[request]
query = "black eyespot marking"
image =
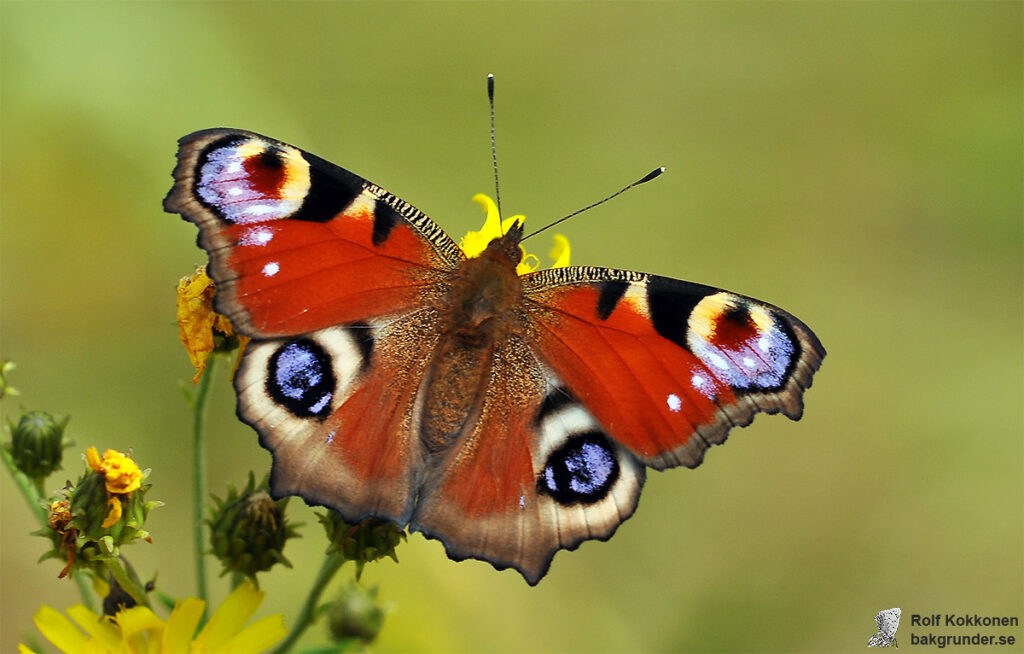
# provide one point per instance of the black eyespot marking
(581, 471)
(611, 292)
(671, 302)
(331, 189)
(271, 158)
(739, 314)
(300, 378)
(364, 339)
(384, 220)
(554, 401)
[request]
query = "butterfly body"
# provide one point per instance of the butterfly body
(506, 415)
(480, 314)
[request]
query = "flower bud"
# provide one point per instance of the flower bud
(367, 541)
(110, 500)
(37, 443)
(248, 530)
(355, 614)
(89, 512)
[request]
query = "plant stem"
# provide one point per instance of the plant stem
(199, 474)
(126, 580)
(27, 487)
(329, 568)
(33, 494)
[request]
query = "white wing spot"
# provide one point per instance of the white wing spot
(330, 438)
(260, 209)
(718, 361)
(271, 269)
(748, 362)
(674, 403)
(256, 236)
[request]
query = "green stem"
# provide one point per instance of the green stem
(329, 568)
(127, 580)
(199, 474)
(33, 494)
(27, 487)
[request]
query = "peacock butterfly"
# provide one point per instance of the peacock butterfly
(506, 415)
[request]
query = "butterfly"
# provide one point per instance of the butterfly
(506, 415)
(888, 622)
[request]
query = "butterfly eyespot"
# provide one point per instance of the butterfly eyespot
(301, 378)
(581, 471)
(244, 180)
(741, 343)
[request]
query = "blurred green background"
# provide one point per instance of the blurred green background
(857, 164)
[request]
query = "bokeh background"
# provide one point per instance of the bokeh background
(859, 164)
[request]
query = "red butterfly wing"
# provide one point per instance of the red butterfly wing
(337, 409)
(535, 473)
(296, 243)
(668, 367)
(333, 278)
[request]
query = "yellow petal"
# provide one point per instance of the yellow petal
(243, 342)
(136, 619)
(529, 263)
(115, 512)
(101, 629)
(181, 625)
(100, 587)
(560, 253)
(93, 459)
(229, 618)
(123, 474)
(259, 636)
(59, 630)
(24, 649)
(473, 243)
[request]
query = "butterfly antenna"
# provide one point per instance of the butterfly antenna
(494, 144)
(646, 178)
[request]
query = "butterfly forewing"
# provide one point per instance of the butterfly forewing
(298, 244)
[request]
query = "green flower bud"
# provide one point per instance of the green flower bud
(355, 615)
(367, 541)
(97, 512)
(248, 530)
(87, 512)
(37, 443)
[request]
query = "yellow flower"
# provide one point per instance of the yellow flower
(197, 321)
(122, 474)
(494, 227)
(138, 629)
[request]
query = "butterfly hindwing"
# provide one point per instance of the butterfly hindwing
(336, 408)
(298, 244)
(668, 367)
(536, 473)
